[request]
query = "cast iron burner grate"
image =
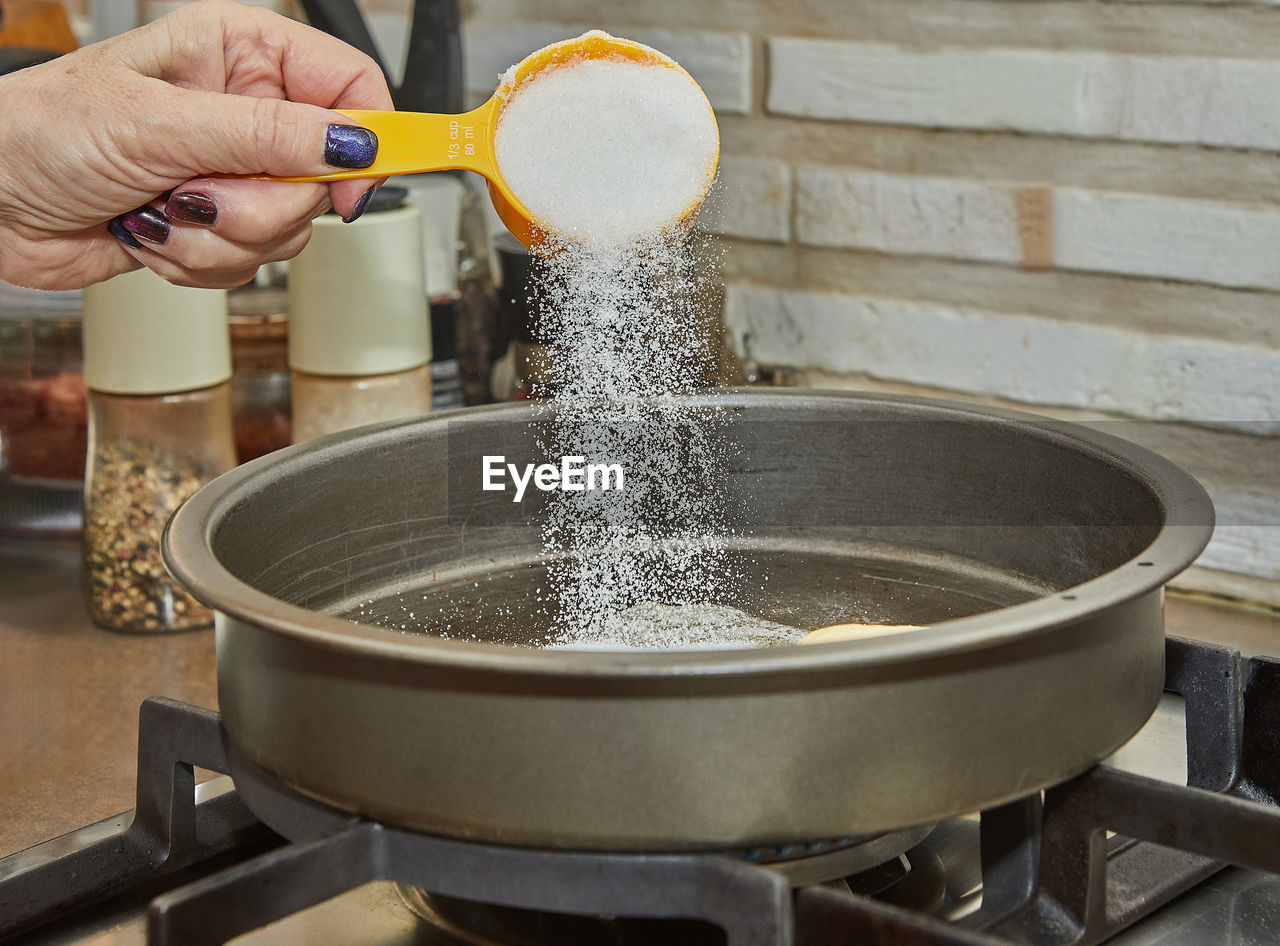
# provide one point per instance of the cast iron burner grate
(1049, 875)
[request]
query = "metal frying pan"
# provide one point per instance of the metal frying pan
(1036, 550)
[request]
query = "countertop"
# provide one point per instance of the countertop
(69, 692)
(69, 696)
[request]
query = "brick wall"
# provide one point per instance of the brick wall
(1069, 205)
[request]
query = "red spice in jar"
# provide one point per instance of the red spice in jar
(44, 426)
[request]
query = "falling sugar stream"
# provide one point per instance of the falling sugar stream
(612, 158)
(609, 156)
(626, 360)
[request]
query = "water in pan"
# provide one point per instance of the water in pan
(785, 592)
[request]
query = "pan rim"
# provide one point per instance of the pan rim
(189, 555)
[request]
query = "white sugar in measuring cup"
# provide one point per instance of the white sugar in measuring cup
(417, 142)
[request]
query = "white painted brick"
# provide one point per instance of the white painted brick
(488, 49)
(958, 88)
(1244, 550)
(1223, 102)
(751, 200)
(719, 61)
(906, 214)
(1214, 242)
(1247, 537)
(1200, 240)
(1197, 100)
(1027, 359)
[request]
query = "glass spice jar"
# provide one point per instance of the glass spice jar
(157, 363)
(324, 404)
(42, 412)
(261, 409)
(150, 452)
(359, 333)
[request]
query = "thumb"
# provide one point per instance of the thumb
(241, 134)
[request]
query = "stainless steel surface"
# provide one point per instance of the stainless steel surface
(1235, 908)
(374, 915)
(700, 750)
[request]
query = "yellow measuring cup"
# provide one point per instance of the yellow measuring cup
(415, 142)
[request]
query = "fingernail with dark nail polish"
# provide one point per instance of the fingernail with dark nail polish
(147, 223)
(350, 146)
(192, 207)
(117, 230)
(361, 204)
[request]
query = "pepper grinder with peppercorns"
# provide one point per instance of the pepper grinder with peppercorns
(157, 362)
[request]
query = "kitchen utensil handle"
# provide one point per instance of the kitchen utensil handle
(414, 142)
(341, 18)
(433, 64)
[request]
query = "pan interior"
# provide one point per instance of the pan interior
(841, 510)
(801, 585)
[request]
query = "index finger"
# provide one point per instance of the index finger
(218, 46)
(302, 63)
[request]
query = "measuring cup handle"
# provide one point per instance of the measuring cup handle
(415, 142)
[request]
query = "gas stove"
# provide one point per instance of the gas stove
(1125, 853)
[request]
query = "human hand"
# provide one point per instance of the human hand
(112, 152)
